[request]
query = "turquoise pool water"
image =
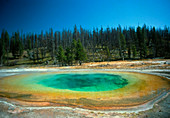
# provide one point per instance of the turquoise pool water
(83, 82)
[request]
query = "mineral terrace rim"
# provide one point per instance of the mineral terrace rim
(97, 106)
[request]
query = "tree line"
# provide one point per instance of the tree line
(77, 46)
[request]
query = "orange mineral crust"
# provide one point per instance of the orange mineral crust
(141, 88)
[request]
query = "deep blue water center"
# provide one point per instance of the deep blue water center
(84, 82)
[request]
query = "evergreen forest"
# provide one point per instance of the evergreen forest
(68, 47)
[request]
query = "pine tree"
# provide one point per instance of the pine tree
(20, 47)
(75, 33)
(134, 42)
(7, 45)
(122, 46)
(61, 55)
(94, 43)
(73, 51)
(143, 42)
(2, 47)
(101, 37)
(154, 42)
(29, 47)
(128, 38)
(159, 44)
(82, 35)
(139, 36)
(16, 46)
(43, 46)
(68, 56)
(80, 53)
(37, 47)
(55, 41)
(108, 53)
(134, 51)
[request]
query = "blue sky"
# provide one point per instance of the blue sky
(37, 15)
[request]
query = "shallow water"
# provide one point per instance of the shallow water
(83, 82)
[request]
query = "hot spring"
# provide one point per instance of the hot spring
(83, 82)
(92, 90)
